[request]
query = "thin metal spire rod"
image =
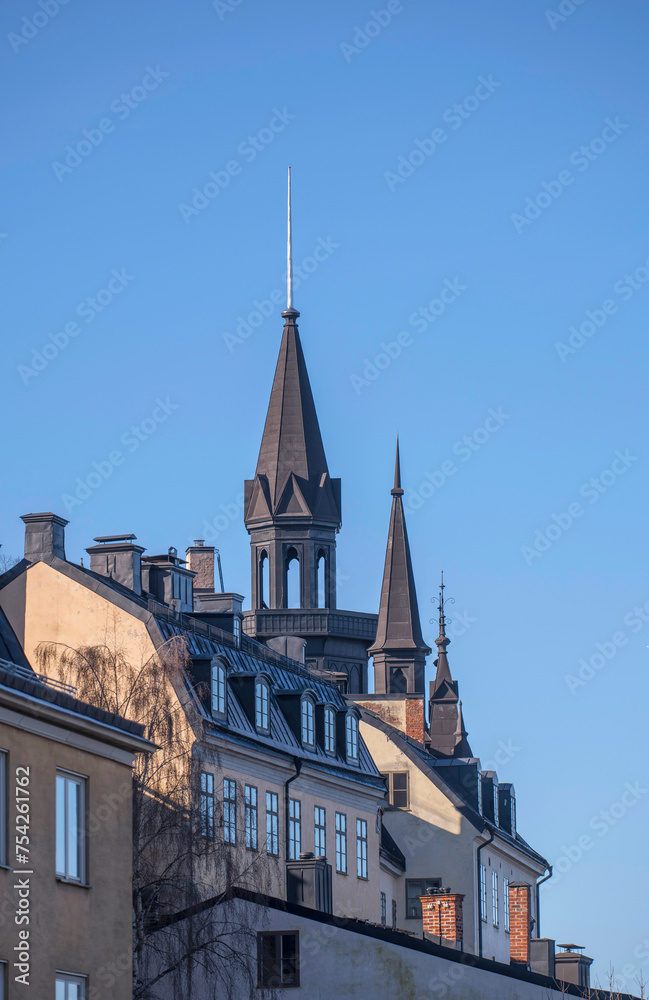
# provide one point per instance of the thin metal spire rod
(289, 251)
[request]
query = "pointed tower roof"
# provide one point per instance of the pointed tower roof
(399, 627)
(446, 727)
(462, 748)
(292, 477)
(442, 642)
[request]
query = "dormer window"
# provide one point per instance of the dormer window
(262, 706)
(351, 737)
(308, 723)
(329, 731)
(218, 689)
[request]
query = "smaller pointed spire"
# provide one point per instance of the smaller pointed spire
(396, 491)
(462, 748)
(442, 642)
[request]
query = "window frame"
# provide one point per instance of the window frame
(390, 776)
(307, 722)
(329, 730)
(506, 904)
(320, 831)
(423, 884)
(362, 866)
(495, 916)
(207, 805)
(294, 829)
(81, 782)
(272, 823)
(266, 977)
(229, 811)
(262, 706)
(219, 689)
(384, 909)
(71, 979)
(394, 914)
(341, 843)
(483, 893)
(251, 817)
(351, 737)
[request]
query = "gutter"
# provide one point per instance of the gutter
(484, 844)
(538, 899)
(297, 761)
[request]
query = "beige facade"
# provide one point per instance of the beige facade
(76, 921)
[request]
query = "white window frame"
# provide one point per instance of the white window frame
(294, 829)
(341, 843)
(64, 870)
(320, 831)
(207, 804)
(251, 824)
(494, 899)
(307, 719)
(272, 823)
(229, 811)
(219, 703)
(483, 893)
(506, 903)
(351, 737)
(330, 731)
(67, 979)
(262, 705)
(361, 849)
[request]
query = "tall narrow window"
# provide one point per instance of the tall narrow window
(292, 580)
(262, 706)
(70, 987)
(218, 689)
(397, 782)
(361, 848)
(251, 817)
(70, 826)
(308, 723)
(320, 826)
(494, 898)
(341, 843)
(263, 581)
(207, 804)
(278, 959)
(3, 809)
(351, 737)
(321, 577)
(329, 731)
(294, 829)
(506, 902)
(483, 892)
(229, 811)
(394, 914)
(384, 909)
(272, 823)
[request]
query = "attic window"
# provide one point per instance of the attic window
(308, 723)
(351, 737)
(218, 689)
(329, 731)
(262, 706)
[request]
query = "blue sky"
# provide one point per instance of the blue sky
(116, 297)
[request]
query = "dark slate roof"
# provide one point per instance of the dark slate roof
(399, 627)
(25, 681)
(10, 648)
(285, 676)
(292, 477)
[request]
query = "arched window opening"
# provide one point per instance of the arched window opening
(292, 589)
(263, 580)
(399, 682)
(321, 591)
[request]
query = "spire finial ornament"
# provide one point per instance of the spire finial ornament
(442, 641)
(289, 251)
(396, 491)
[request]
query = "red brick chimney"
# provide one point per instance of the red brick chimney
(415, 720)
(442, 914)
(519, 923)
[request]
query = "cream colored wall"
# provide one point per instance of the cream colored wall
(495, 940)
(86, 931)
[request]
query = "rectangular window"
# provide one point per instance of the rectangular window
(394, 914)
(3, 808)
(361, 848)
(251, 817)
(398, 795)
(70, 826)
(384, 909)
(261, 705)
(278, 960)
(351, 737)
(483, 892)
(320, 832)
(294, 829)
(329, 731)
(308, 723)
(416, 887)
(341, 843)
(218, 689)
(272, 823)
(494, 898)
(70, 987)
(207, 804)
(229, 811)
(506, 902)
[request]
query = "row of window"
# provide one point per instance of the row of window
(307, 715)
(495, 898)
(251, 824)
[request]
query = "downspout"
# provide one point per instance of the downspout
(484, 844)
(538, 900)
(298, 767)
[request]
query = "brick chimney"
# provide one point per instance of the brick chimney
(44, 536)
(519, 923)
(442, 915)
(415, 720)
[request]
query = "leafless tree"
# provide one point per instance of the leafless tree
(175, 867)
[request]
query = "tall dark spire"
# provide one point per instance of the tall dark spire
(399, 650)
(446, 727)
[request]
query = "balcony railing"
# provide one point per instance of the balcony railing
(323, 621)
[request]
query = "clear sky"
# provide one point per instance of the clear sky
(493, 152)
